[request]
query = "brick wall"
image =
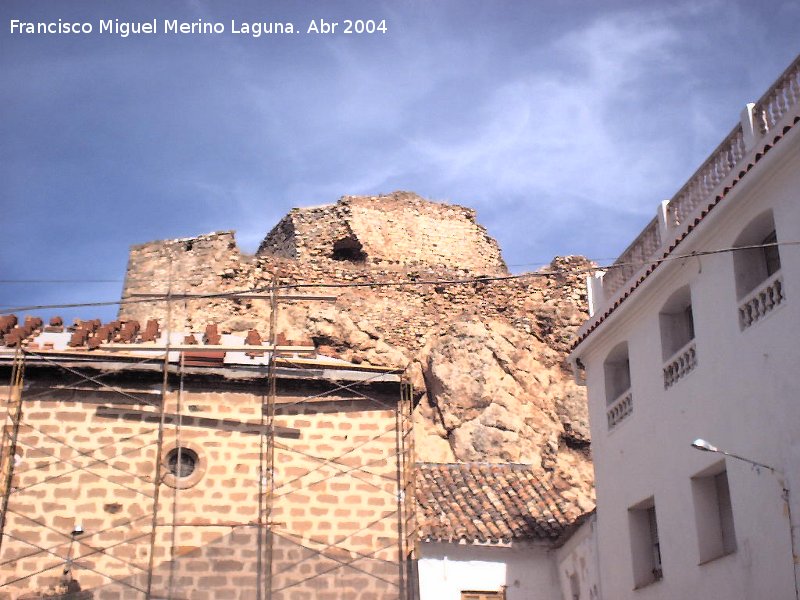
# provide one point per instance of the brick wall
(87, 458)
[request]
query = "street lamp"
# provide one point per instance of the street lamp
(701, 444)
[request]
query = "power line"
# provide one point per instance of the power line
(232, 295)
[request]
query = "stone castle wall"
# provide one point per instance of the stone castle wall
(384, 325)
(399, 229)
(385, 313)
(334, 531)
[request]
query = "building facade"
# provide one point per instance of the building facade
(495, 532)
(197, 466)
(693, 335)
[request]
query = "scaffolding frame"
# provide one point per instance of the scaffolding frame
(268, 491)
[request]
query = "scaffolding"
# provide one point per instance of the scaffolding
(147, 543)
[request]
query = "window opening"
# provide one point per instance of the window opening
(655, 545)
(716, 535)
(617, 372)
(772, 257)
(348, 249)
(181, 462)
(645, 544)
(752, 266)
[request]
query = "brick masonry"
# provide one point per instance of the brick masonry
(83, 460)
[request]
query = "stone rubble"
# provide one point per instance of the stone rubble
(486, 357)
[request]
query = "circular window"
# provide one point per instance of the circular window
(182, 462)
(183, 467)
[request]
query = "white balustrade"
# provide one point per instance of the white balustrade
(633, 259)
(680, 364)
(619, 409)
(762, 301)
(779, 100)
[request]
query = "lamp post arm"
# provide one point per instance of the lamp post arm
(751, 462)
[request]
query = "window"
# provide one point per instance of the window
(752, 266)
(772, 256)
(183, 466)
(713, 513)
(617, 371)
(645, 544)
(757, 269)
(676, 321)
(181, 462)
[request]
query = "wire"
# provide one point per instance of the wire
(398, 283)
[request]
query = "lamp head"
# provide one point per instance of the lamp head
(703, 445)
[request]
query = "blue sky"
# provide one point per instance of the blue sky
(562, 123)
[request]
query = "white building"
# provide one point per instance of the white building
(500, 532)
(688, 339)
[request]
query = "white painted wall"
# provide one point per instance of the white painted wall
(445, 570)
(578, 564)
(743, 396)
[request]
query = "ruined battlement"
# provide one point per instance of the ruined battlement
(359, 238)
(399, 229)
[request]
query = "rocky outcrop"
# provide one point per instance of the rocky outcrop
(498, 395)
(486, 354)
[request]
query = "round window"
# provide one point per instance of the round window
(182, 462)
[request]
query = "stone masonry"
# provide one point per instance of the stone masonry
(85, 460)
(396, 230)
(518, 403)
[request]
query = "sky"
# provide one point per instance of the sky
(563, 124)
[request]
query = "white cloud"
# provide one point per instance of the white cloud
(559, 134)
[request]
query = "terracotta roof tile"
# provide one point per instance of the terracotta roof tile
(490, 503)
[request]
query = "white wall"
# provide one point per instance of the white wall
(578, 564)
(743, 396)
(445, 570)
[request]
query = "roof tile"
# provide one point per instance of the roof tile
(490, 503)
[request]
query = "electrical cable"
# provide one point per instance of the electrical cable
(413, 283)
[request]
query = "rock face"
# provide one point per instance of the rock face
(499, 395)
(486, 354)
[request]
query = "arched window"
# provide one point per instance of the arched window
(754, 265)
(676, 321)
(617, 371)
(757, 269)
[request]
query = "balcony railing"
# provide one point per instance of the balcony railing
(680, 364)
(762, 301)
(705, 180)
(779, 98)
(619, 409)
(630, 261)
(764, 116)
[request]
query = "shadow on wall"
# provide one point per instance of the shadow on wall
(227, 567)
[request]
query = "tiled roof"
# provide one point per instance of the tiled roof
(595, 321)
(203, 347)
(490, 503)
